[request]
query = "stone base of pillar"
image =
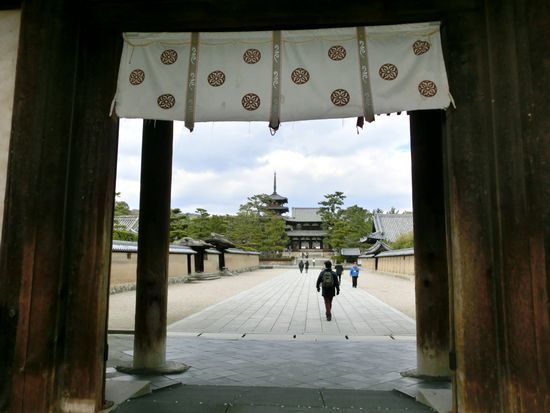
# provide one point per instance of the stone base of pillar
(170, 367)
(418, 375)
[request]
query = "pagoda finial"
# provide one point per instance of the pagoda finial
(275, 182)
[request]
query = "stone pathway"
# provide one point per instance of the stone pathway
(290, 305)
(275, 335)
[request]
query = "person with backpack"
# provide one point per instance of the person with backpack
(328, 280)
(354, 273)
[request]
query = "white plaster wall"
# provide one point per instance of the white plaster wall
(9, 40)
(236, 262)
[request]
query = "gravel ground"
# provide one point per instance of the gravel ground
(189, 298)
(397, 291)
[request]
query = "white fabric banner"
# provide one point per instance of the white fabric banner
(282, 76)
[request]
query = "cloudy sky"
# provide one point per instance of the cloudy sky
(220, 164)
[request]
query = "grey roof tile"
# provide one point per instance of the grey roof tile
(305, 215)
(350, 252)
(390, 226)
(393, 253)
(128, 222)
(377, 247)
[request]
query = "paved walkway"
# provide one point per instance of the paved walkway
(276, 335)
(290, 305)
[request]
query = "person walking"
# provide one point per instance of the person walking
(329, 282)
(339, 268)
(354, 273)
(306, 265)
(301, 266)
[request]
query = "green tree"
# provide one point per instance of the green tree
(199, 226)
(331, 209)
(242, 230)
(218, 224)
(121, 207)
(179, 224)
(359, 223)
(403, 241)
(274, 237)
(122, 235)
(256, 228)
(256, 204)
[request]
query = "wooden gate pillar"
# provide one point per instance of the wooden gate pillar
(497, 149)
(54, 261)
(153, 244)
(430, 253)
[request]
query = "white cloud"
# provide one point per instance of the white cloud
(219, 165)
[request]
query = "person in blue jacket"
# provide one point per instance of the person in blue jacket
(354, 273)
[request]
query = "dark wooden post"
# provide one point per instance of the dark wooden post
(430, 253)
(58, 213)
(90, 201)
(153, 242)
(497, 151)
(221, 261)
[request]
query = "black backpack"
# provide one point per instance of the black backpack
(328, 280)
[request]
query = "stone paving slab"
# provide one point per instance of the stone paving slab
(289, 304)
(198, 399)
(367, 363)
(275, 336)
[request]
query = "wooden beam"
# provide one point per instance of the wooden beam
(10, 4)
(430, 249)
(213, 15)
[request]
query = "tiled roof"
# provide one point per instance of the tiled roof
(276, 197)
(219, 240)
(350, 252)
(128, 222)
(390, 226)
(377, 247)
(190, 242)
(305, 215)
(130, 246)
(396, 253)
(240, 251)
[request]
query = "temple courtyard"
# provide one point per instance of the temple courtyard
(260, 339)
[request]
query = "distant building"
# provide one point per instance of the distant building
(277, 202)
(389, 227)
(304, 230)
(350, 254)
(128, 223)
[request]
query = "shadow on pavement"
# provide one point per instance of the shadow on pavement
(229, 399)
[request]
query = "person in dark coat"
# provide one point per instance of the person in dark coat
(301, 266)
(306, 265)
(339, 268)
(328, 281)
